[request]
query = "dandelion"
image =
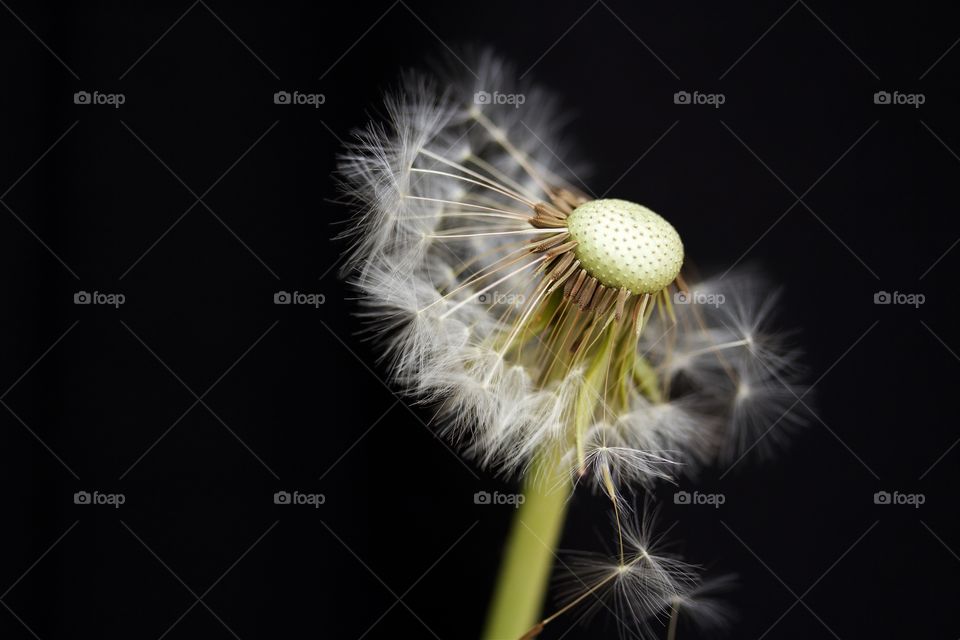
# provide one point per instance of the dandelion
(554, 330)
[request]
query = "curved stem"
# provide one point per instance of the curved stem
(529, 555)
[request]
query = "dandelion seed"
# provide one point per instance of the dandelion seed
(639, 583)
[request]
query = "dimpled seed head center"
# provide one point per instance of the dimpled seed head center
(623, 244)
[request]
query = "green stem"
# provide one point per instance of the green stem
(529, 555)
(674, 617)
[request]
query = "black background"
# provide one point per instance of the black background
(95, 200)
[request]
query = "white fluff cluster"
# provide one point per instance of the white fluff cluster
(436, 187)
(644, 585)
(739, 376)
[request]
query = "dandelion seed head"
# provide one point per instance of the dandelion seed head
(535, 317)
(624, 244)
(539, 320)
